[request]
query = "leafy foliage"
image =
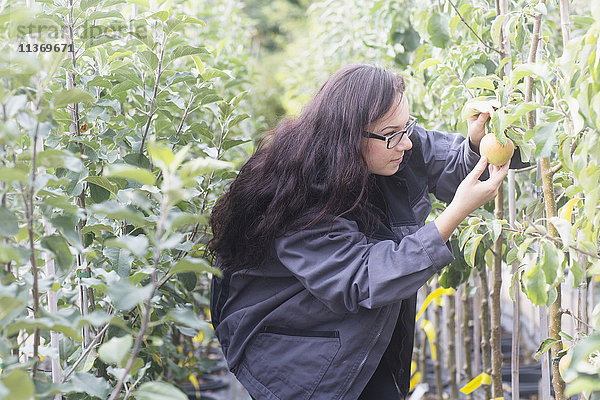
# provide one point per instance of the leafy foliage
(112, 156)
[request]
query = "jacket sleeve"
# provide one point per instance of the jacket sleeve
(336, 264)
(448, 158)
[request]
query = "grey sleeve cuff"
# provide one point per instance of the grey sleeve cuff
(471, 157)
(439, 252)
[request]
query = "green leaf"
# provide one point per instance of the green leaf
(535, 284)
(159, 391)
(522, 70)
(162, 15)
(551, 262)
(471, 248)
(496, 29)
(201, 166)
(524, 108)
(229, 143)
(19, 385)
(545, 138)
(184, 219)
(59, 247)
(119, 212)
(126, 295)
(438, 29)
(138, 245)
(104, 14)
(115, 350)
(480, 82)
(161, 153)
(73, 95)
(121, 260)
(185, 50)
(545, 346)
(54, 158)
(9, 304)
(84, 382)
(199, 64)
(140, 175)
(13, 174)
(149, 58)
(137, 159)
(187, 317)
(9, 225)
(9, 253)
(193, 265)
(103, 182)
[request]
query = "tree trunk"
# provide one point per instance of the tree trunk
(485, 329)
(468, 341)
(550, 207)
(423, 342)
(437, 363)
(496, 329)
(451, 359)
(475, 370)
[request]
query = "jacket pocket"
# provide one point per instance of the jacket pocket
(289, 362)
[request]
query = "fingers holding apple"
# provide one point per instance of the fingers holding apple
(476, 113)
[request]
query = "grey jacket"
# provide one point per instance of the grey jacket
(316, 319)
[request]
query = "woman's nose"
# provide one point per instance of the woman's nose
(405, 144)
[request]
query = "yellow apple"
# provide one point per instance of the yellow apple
(564, 363)
(494, 151)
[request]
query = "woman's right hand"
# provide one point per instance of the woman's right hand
(470, 195)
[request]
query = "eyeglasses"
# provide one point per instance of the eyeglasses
(394, 138)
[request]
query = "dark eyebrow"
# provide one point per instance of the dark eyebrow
(397, 126)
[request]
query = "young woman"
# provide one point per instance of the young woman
(323, 243)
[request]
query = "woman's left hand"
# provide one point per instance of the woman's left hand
(476, 123)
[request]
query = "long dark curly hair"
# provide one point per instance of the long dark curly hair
(307, 169)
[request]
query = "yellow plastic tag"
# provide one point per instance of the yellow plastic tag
(432, 296)
(481, 379)
(427, 326)
(499, 398)
(413, 367)
(198, 339)
(414, 380)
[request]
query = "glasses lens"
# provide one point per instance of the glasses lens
(393, 142)
(411, 127)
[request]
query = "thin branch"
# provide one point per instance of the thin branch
(558, 241)
(475, 33)
(568, 312)
(148, 301)
(155, 94)
(85, 352)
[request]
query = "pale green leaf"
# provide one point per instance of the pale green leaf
(18, 383)
(9, 225)
(115, 350)
(84, 382)
(480, 82)
(497, 28)
(137, 174)
(60, 248)
(193, 265)
(438, 29)
(138, 245)
(535, 284)
(125, 295)
(159, 391)
(73, 95)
